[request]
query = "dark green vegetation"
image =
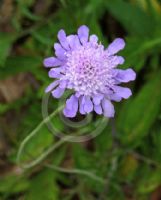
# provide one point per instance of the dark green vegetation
(127, 167)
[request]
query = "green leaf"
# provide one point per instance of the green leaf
(43, 187)
(104, 141)
(132, 17)
(37, 145)
(13, 184)
(139, 114)
(150, 181)
(138, 50)
(128, 168)
(19, 64)
(5, 45)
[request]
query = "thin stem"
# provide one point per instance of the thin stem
(76, 171)
(51, 149)
(33, 133)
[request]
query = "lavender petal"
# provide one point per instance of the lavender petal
(83, 33)
(117, 45)
(122, 92)
(58, 92)
(63, 39)
(52, 86)
(125, 75)
(52, 62)
(71, 107)
(98, 109)
(108, 108)
(88, 105)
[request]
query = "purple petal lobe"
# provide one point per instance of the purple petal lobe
(73, 41)
(52, 86)
(88, 105)
(58, 92)
(63, 84)
(97, 99)
(98, 109)
(71, 107)
(83, 33)
(59, 51)
(115, 97)
(93, 39)
(63, 39)
(52, 62)
(55, 72)
(108, 108)
(81, 106)
(125, 75)
(70, 40)
(117, 45)
(77, 94)
(115, 60)
(122, 92)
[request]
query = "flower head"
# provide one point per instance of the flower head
(86, 67)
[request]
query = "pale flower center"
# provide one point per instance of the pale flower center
(87, 69)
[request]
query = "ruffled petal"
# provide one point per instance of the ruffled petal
(98, 109)
(88, 105)
(117, 45)
(83, 33)
(52, 62)
(63, 39)
(52, 86)
(71, 107)
(125, 75)
(122, 91)
(58, 92)
(108, 108)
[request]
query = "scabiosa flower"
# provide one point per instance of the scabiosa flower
(86, 67)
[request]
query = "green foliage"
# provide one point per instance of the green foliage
(5, 44)
(133, 122)
(13, 184)
(135, 20)
(150, 180)
(43, 186)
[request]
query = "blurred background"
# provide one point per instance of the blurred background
(124, 167)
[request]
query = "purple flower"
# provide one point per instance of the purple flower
(83, 65)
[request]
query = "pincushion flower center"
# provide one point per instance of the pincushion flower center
(85, 69)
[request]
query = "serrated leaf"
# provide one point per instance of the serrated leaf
(139, 114)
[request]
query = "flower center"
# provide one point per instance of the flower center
(87, 69)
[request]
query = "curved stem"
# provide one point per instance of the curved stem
(51, 149)
(23, 143)
(76, 171)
